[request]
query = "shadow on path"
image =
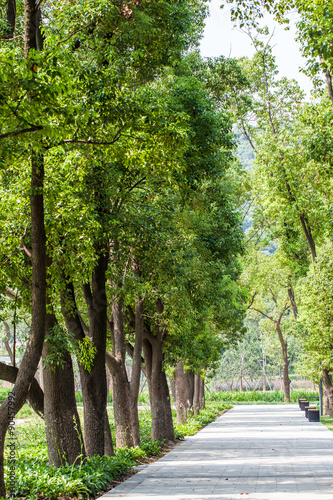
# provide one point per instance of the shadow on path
(256, 452)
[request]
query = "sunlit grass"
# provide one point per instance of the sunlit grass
(36, 479)
(328, 421)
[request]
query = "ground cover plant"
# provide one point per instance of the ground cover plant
(35, 478)
(196, 422)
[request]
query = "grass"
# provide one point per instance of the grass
(259, 397)
(328, 421)
(35, 479)
(143, 398)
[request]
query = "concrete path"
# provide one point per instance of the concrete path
(254, 452)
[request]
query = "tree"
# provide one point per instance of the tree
(269, 279)
(316, 293)
(314, 30)
(31, 357)
(60, 103)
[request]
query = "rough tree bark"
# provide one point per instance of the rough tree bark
(162, 425)
(202, 393)
(62, 424)
(328, 77)
(189, 388)
(173, 387)
(93, 383)
(94, 401)
(328, 392)
(120, 384)
(11, 18)
(181, 400)
(125, 392)
(284, 350)
(196, 397)
(136, 370)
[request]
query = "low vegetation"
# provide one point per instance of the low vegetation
(259, 397)
(36, 479)
(328, 421)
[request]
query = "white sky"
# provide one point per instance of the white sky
(221, 38)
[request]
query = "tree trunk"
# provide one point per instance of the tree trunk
(94, 388)
(168, 422)
(93, 383)
(34, 348)
(63, 429)
(189, 388)
(202, 393)
(136, 370)
(328, 392)
(308, 234)
(173, 388)
(120, 384)
(11, 18)
(285, 364)
(241, 380)
(108, 443)
(162, 425)
(196, 397)
(181, 401)
(263, 365)
(329, 84)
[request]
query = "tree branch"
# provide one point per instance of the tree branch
(72, 33)
(253, 297)
(266, 315)
(27, 250)
(35, 394)
(22, 131)
(111, 362)
(273, 297)
(11, 294)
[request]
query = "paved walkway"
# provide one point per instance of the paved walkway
(253, 452)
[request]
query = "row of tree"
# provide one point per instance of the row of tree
(120, 231)
(287, 269)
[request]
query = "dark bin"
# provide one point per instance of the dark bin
(307, 408)
(313, 415)
(304, 404)
(300, 400)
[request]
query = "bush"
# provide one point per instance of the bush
(196, 422)
(36, 478)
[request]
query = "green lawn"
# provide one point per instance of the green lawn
(328, 421)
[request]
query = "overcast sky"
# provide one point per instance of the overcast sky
(220, 38)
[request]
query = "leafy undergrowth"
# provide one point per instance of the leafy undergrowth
(259, 397)
(197, 422)
(35, 479)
